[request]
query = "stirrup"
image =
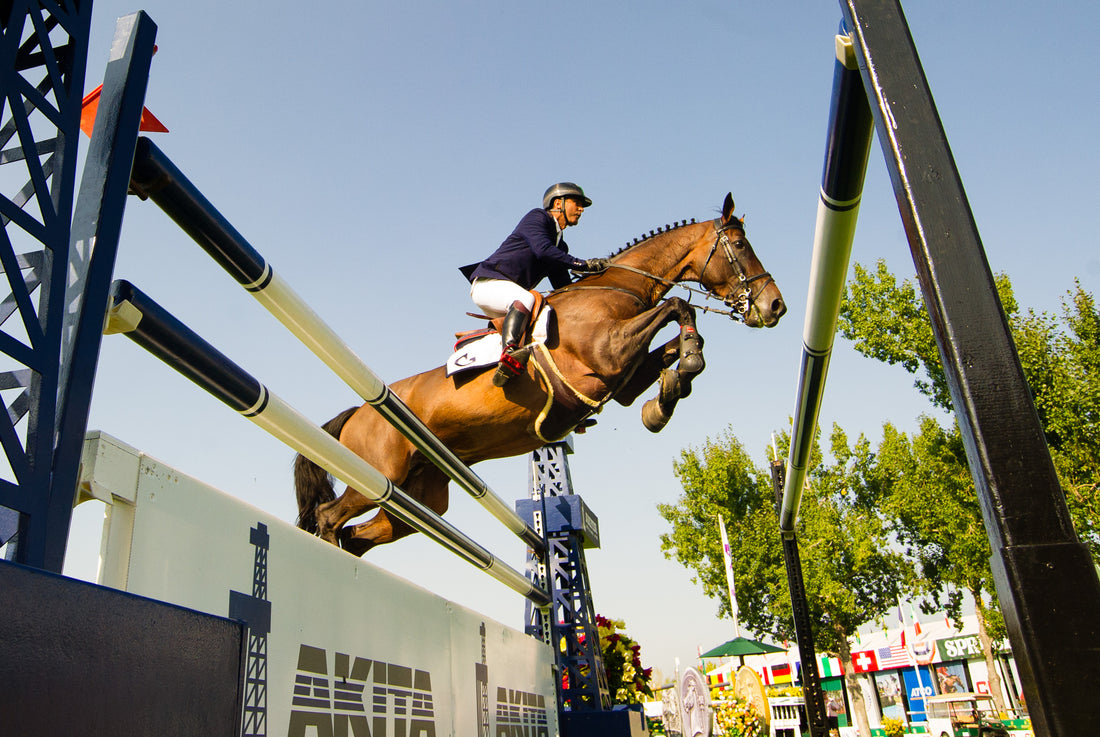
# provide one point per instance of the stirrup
(512, 363)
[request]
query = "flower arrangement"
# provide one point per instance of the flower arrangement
(627, 680)
(893, 727)
(737, 718)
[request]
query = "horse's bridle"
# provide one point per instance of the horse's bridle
(739, 302)
(741, 299)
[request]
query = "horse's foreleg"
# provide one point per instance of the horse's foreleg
(658, 411)
(686, 348)
(648, 371)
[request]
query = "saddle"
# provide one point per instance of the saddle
(496, 323)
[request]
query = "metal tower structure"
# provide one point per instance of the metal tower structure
(568, 527)
(255, 610)
(44, 48)
(64, 254)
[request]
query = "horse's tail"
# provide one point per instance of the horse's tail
(312, 484)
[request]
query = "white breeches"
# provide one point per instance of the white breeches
(495, 296)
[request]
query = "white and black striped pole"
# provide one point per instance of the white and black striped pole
(848, 146)
(152, 327)
(157, 178)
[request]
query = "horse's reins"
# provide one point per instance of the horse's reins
(740, 302)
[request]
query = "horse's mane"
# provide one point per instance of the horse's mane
(653, 233)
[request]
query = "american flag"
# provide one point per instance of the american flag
(894, 656)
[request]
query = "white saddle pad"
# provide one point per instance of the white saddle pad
(486, 350)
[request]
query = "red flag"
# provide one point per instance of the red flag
(865, 661)
(90, 105)
(916, 622)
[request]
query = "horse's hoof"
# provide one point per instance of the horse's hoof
(670, 386)
(653, 417)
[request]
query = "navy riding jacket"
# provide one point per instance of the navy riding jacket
(530, 254)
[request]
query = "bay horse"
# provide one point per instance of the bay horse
(598, 350)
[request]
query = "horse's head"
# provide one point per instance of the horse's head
(730, 269)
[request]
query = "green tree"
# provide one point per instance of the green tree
(931, 502)
(852, 576)
(1060, 358)
(933, 512)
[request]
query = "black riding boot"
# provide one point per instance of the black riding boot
(513, 361)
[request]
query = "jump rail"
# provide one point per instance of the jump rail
(155, 177)
(155, 329)
(848, 148)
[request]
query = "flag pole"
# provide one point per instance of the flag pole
(728, 560)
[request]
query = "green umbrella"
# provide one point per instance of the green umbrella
(740, 647)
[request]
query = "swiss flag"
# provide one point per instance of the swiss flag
(865, 661)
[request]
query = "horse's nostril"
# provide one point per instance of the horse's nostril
(779, 308)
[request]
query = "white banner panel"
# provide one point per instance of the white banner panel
(337, 645)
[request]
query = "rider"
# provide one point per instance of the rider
(535, 250)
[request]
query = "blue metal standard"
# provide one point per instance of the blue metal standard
(569, 527)
(43, 57)
(254, 609)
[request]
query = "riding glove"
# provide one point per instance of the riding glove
(592, 265)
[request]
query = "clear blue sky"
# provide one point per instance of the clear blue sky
(369, 149)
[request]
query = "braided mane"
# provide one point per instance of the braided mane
(659, 231)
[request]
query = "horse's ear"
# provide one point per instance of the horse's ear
(727, 207)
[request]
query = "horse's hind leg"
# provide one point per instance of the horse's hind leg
(428, 485)
(332, 516)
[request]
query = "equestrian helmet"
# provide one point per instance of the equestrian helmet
(564, 189)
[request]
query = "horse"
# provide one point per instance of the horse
(598, 349)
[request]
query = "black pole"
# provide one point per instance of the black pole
(812, 693)
(1046, 579)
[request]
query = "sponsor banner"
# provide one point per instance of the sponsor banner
(918, 684)
(959, 648)
(336, 645)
